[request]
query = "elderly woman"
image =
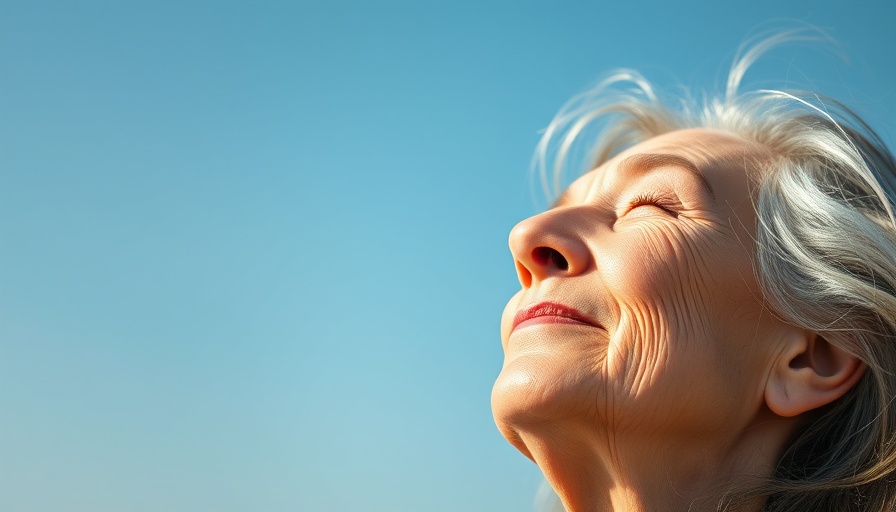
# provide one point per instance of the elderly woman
(707, 318)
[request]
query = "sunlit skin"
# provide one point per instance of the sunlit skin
(674, 381)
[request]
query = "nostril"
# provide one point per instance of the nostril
(545, 255)
(559, 260)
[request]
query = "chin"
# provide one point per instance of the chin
(537, 389)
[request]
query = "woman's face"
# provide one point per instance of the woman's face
(639, 310)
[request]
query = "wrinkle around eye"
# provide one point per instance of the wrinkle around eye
(652, 216)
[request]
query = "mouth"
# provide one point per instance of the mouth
(550, 313)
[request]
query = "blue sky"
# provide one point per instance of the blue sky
(253, 254)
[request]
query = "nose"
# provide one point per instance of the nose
(548, 245)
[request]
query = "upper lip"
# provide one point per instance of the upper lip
(550, 309)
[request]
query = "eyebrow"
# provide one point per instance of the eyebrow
(646, 162)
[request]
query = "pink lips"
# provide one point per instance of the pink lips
(550, 313)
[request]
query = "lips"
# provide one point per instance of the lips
(550, 313)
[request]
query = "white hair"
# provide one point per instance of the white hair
(826, 243)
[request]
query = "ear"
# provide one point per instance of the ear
(810, 373)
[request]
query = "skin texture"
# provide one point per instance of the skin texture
(658, 397)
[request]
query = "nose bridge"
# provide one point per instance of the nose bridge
(550, 244)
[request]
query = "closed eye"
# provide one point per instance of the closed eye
(649, 199)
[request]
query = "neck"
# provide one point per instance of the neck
(650, 474)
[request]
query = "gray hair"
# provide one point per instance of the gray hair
(826, 243)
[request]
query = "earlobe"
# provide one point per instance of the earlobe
(810, 373)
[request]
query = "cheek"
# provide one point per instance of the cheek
(667, 333)
(663, 277)
(667, 277)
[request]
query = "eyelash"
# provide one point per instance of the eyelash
(651, 199)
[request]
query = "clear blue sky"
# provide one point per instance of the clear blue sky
(253, 254)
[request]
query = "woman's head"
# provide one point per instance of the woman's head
(719, 289)
(653, 250)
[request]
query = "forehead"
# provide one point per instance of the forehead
(726, 163)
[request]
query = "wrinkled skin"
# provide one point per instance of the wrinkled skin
(680, 346)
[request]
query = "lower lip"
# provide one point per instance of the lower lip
(541, 320)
